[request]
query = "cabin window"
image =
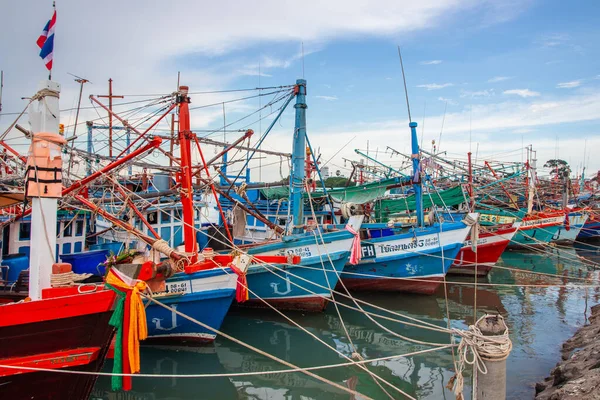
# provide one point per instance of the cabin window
(58, 228)
(78, 228)
(165, 216)
(281, 221)
(25, 231)
(152, 218)
(197, 215)
(178, 214)
(68, 231)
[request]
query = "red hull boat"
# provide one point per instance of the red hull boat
(66, 329)
(490, 246)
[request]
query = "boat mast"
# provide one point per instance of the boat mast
(298, 153)
(44, 118)
(187, 191)
(415, 156)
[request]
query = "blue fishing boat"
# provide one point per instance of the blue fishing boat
(324, 254)
(591, 228)
(407, 260)
(205, 296)
(412, 259)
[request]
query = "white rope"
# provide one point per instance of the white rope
(67, 278)
(482, 348)
(163, 246)
(230, 374)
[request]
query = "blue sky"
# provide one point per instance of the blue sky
(510, 73)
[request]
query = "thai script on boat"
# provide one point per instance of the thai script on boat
(415, 244)
(479, 241)
(543, 221)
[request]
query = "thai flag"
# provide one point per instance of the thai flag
(46, 42)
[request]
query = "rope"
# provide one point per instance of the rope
(67, 278)
(492, 348)
(163, 246)
(228, 374)
(257, 350)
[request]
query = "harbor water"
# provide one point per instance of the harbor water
(540, 319)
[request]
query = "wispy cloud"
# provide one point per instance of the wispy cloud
(435, 86)
(557, 40)
(522, 92)
(554, 40)
(499, 79)
(431, 62)
(569, 85)
(253, 72)
(327, 98)
(478, 93)
(449, 101)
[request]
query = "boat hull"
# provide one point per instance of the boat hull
(415, 263)
(490, 247)
(205, 296)
(68, 332)
(590, 230)
(569, 233)
(303, 287)
(536, 233)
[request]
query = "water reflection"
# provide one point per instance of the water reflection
(540, 319)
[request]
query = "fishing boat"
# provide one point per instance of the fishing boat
(478, 258)
(60, 325)
(591, 228)
(323, 254)
(571, 227)
(536, 229)
(413, 259)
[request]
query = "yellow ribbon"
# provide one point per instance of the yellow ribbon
(138, 330)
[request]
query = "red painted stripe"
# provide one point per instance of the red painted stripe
(54, 360)
(57, 308)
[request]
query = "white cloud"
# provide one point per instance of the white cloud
(435, 86)
(499, 79)
(449, 101)
(328, 98)
(569, 85)
(522, 92)
(491, 125)
(253, 72)
(432, 62)
(478, 93)
(554, 39)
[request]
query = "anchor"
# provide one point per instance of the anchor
(288, 287)
(174, 325)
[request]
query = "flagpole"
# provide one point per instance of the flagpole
(50, 71)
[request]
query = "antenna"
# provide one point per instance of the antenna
(79, 79)
(302, 43)
(439, 146)
(405, 89)
(81, 82)
(2, 86)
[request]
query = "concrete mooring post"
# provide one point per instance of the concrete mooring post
(494, 352)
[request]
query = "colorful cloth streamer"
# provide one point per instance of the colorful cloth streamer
(129, 318)
(355, 251)
(241, 291)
